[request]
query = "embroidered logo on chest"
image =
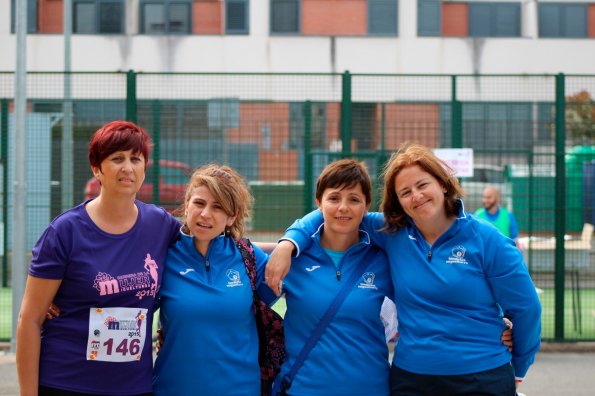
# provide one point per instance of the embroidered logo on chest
(457, 256)
(368, 282)
(234, 278)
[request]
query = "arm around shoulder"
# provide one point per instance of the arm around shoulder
(278, 265)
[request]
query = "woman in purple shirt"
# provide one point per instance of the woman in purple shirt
(101, 262)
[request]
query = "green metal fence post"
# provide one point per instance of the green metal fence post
(346, 115)
(4, 161)
(308, 188)
(131, 96)
(560, 206)
(530, 207)
(456, 122)
(156, 151)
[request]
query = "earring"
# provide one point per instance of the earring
(227, 231)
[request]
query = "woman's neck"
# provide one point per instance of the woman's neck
(202, 246)
(431, 231)
(338, 242)
(115, 216)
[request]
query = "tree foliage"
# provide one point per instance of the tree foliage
(580, 117)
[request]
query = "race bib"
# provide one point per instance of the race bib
(116, 334)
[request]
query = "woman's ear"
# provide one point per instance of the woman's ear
(318, 203)
(96, 172)
(231, 220)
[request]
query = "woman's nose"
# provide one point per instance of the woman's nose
(342, 204)
(205, 212)
(127, 165)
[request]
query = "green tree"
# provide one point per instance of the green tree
(580, 117)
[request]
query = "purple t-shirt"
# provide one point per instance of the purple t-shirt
(101, 272)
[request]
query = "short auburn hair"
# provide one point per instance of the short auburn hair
(411, 155)
(118, 136)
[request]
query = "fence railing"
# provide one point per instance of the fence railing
(533, 137)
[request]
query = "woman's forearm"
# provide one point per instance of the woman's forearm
(27, 355)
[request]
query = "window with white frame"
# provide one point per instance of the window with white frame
(237, 16)
(497, 19)
(98, 16)
(484, 18)
(563, 20)
(285, 16)
(429, 17)
(382, 17)
(166, 16)
(31, 16)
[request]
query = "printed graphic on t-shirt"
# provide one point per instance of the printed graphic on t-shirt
(116, 334)
(145, 282)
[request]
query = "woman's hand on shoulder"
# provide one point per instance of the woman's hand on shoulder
(278, 266)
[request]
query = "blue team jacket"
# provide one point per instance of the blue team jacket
(211, 343)
(450, 296)
(351, 357)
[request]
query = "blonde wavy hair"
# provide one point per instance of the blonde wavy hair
(228, 188)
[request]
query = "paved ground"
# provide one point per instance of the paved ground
(553, 374)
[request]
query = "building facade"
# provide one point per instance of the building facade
(363, 36)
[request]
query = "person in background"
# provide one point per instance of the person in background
(351, 356)
(101, 262)
(454, 279)
(498, 216)
(210, 340)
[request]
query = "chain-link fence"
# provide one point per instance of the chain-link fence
(533, 137)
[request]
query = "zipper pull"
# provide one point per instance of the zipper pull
(430, 255)
(338, 275)
(207, 265)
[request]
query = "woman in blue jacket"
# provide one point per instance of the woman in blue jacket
(210, 339)
(351, 356)
(454, 277)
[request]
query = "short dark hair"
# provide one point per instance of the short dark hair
(344, 173)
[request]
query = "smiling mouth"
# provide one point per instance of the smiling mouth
(204, 225)
(343, 218)
(421, 204)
